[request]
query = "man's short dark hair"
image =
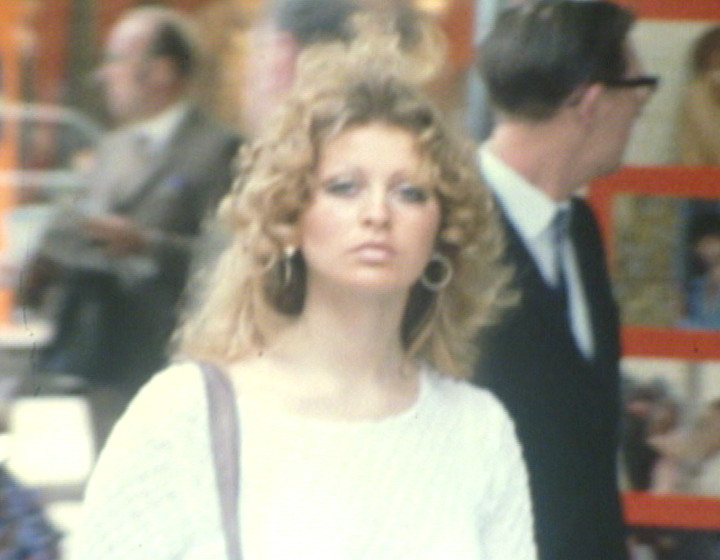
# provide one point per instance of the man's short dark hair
(314, 21)
(704, 225)
(319, 21)
(173, 41)
(537, 55)
(705, 48)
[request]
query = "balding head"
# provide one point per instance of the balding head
(150, 57)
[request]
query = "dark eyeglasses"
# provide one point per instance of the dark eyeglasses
(650, 82)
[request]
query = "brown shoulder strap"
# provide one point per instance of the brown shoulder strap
(224, 424)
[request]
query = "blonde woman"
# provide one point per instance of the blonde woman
(363, 260)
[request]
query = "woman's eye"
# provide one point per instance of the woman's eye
(412, 193)
(342, 187)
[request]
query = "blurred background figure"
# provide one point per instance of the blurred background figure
(289, 29)
(652, 446)
(654, 440)
(702, 309)
(702, 477)
(637, 455)
(253, 46)
(282, 31)
(120, 254)
(699, 132)
(705, 436)
(669, 441)
(223, 28)
(26, 533)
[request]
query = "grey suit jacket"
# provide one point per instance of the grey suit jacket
(169, 196)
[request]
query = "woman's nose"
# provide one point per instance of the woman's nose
(375, 209)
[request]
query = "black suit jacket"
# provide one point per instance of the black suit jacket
(566, 408)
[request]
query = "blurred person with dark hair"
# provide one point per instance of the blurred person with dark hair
(123, 248)
(566, 86)
(703, 285)
(253, 48)
(637, 455)
(280, 33)
(699, 130)
(288, 29)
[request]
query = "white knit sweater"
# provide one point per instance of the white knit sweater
(443, 480)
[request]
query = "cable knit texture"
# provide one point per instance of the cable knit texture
(443, 480)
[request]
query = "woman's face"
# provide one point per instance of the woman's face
(373, 219)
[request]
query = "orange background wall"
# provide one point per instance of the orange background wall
(9, 14)
(675, 9)
(54, 36)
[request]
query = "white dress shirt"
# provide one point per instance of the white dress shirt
(159, 129)
(531, 212)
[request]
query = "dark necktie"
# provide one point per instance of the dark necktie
(560, 227)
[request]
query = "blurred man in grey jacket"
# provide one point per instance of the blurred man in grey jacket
(123, 249)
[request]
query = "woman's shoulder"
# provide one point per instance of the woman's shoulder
(152, 472)
(477, 420)
(178, 383)
(172, 399)
(463, 397)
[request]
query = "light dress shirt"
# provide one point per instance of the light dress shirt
(158, 130)
(531, 212)
(152, 136)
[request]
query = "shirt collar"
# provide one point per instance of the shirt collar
(160, 128)
(527, 207)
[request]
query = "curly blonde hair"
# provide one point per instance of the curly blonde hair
(248, 300)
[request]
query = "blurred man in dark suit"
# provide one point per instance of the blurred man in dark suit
(567, 86)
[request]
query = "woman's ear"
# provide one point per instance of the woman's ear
(291, 237)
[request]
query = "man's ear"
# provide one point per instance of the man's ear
(286, 53)
(588, 101)
(160, 71)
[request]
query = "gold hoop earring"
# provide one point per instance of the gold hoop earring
(440, 276)
(287, 266)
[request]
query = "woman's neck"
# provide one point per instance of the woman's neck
(350, 336)
(342, 359)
